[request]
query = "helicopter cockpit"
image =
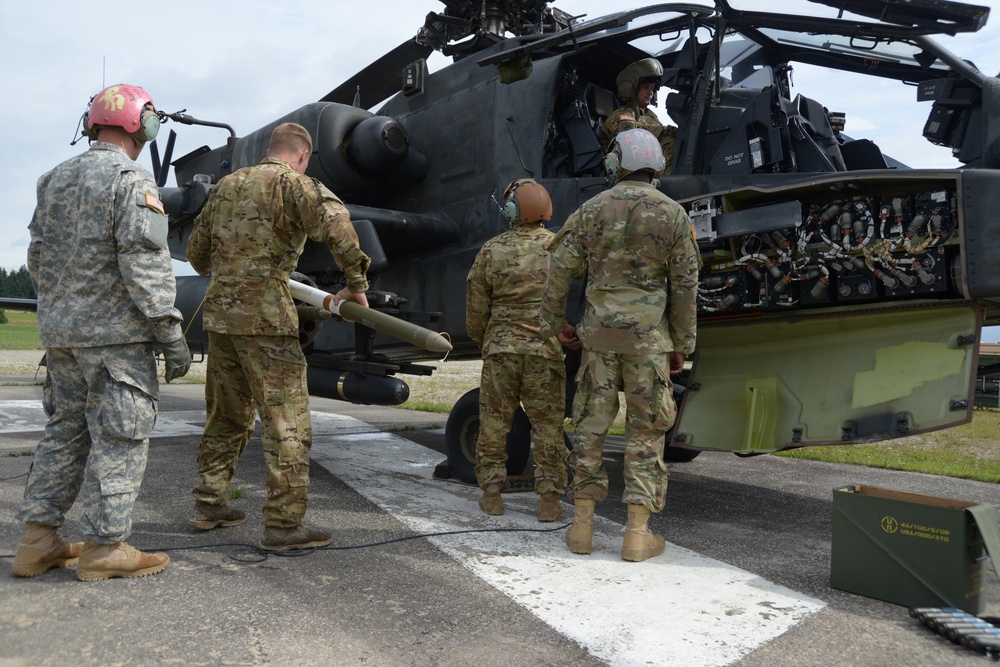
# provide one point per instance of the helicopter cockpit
(728, 85)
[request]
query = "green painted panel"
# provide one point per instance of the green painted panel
(830, 379)
(901, 369)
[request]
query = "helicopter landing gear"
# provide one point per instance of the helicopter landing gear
(462, 431)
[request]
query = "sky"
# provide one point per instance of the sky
(249, 62)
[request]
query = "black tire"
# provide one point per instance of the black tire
(678, 454)
(462, 431)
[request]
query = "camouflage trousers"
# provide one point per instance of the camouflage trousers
(101, 403)
(247, 375)
(539, 385)
(649, 413)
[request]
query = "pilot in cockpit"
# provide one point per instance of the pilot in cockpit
(637, 86)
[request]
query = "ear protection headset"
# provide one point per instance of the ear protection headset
(149, 124)
(511, 207)
(612, 163)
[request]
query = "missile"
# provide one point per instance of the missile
(357, 387)
(395, 327)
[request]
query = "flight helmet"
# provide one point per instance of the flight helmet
(526, 201)
(630, 78)
(125, 106)
(631, 151)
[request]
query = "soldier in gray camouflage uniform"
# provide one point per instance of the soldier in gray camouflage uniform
(641, 261)
(99, 262)
(637, 85)
(503, 294)
(249, 237)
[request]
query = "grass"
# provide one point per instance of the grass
(20, 332)
(426, 406)
(968, 451)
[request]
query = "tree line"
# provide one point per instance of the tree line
(16, 284)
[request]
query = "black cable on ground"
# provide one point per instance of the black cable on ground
(260, 555)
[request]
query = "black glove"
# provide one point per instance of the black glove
(176, 359)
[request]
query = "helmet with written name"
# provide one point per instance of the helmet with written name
(631, 151)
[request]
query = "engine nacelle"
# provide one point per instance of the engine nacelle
(355, 153)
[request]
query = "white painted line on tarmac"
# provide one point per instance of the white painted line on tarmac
(21, 416)
(29, 417)
(678, 609)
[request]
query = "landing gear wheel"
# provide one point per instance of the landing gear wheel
(677, 454)
(462, 431)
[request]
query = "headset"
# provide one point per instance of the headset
(149, 124)
(612, 165)
(511, 208)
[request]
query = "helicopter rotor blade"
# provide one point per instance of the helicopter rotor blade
(382, 78)
(154, 155)
(162, 171)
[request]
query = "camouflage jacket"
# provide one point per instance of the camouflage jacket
(98, 255)
(638, 248)
(504, 291)
(249, 237)
(630, 118)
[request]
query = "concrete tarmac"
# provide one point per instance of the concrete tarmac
(377, 601)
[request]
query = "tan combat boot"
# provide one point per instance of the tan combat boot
(491, 502)
(41, 549)
(580, 536)
(549, 507)
(640, 542)
(105, 561)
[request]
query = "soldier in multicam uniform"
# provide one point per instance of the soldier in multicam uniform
(641, 261)
(249, 237)
(503, 294)
(100, 266)
(637, 86)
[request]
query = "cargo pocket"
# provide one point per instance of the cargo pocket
(283, 372)
(126, 412)
(128, 405)
(294, 471)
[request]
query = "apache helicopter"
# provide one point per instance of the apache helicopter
(842, 293)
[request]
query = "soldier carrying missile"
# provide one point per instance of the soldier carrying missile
(249, 237)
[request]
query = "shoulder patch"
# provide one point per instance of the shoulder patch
(153, 202)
